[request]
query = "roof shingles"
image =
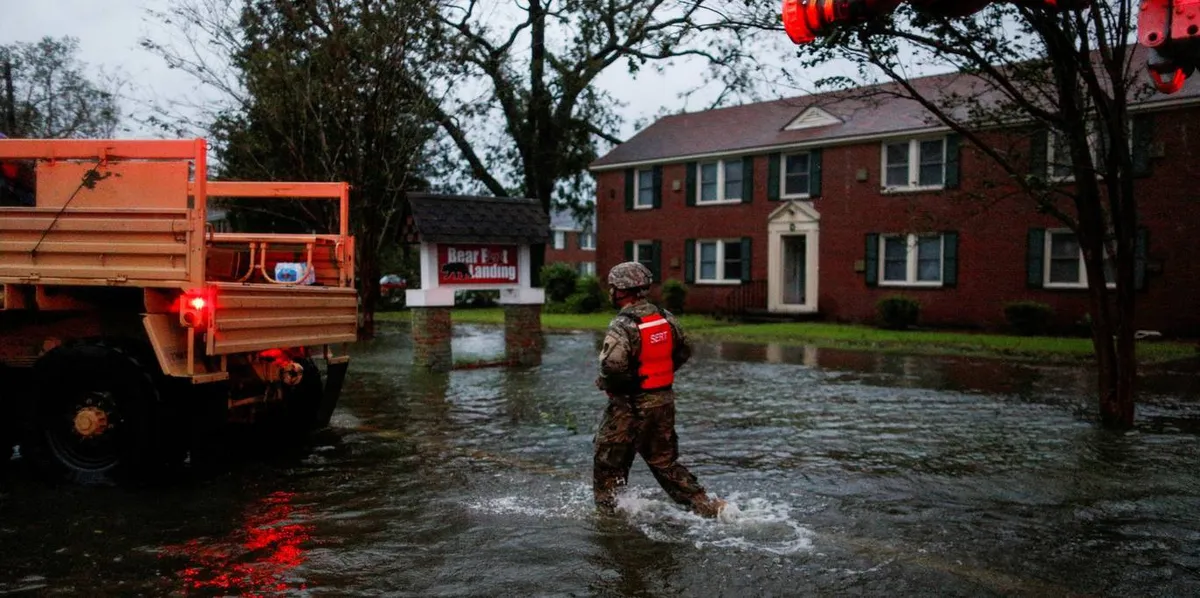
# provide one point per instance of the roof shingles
(474, 219)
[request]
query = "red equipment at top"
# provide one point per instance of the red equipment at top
(1170, 28)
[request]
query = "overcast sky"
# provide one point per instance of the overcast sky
(108, 34)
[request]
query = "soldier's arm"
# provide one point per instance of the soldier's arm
(683, 346)
(615, 373)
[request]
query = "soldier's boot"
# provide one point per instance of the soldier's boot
(707, 507)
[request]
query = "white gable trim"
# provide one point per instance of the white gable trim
(812, 117)
(794, 211)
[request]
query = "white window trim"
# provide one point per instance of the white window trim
(914, 166)
(912, 261)
(1048, 244)
(720, 200)
(637, 189)
(1093, 145)
(587, 246)
(783, 194)
(720, 280)
(557, 235)
(637, 245)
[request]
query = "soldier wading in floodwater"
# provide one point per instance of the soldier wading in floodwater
(643, 348)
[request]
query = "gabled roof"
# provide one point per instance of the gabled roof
(475, 219)
(865, 113)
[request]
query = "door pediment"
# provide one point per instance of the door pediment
(794, 212)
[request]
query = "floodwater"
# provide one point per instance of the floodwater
(851, 474)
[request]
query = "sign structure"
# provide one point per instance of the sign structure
(475, 264)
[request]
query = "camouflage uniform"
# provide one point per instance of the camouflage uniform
(637, 422)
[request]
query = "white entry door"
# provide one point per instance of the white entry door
(793, 232)
(795, 265)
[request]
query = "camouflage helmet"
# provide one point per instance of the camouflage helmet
(629, 275)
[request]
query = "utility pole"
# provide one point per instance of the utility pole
(10, 104)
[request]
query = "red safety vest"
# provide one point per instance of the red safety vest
(656, 363)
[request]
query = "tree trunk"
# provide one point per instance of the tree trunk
(368, 288)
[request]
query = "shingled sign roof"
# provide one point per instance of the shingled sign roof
(847, 116)
(476, 219)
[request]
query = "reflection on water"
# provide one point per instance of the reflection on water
(850, 473)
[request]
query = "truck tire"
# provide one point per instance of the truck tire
(303, 403)
(95, 415)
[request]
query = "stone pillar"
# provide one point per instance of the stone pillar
(523, 339)
(431, 332)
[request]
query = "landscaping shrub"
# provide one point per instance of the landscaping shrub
(1028, 318)
(898, 312)
(476, 298)
(559, 280)
(674, 295)
(588, 297)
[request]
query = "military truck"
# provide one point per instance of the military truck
(132, 332)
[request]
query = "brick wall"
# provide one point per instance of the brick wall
(992, 227)
(431, 332)
(523, 338)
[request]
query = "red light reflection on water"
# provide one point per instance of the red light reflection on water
(252, 560)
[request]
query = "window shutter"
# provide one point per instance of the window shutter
(872, 261)
(656, 261)
(950, 259)
(1143, 139)
(1038, 143)
(579, 240)
(629, 251)
(748, 179)
(773, 177)
(658, 183)
(629, 176)
(1141, 245)
(690, 184)
(747, 262)
(689, 261)
(1035, 255)
(814, 173)
(953, 161)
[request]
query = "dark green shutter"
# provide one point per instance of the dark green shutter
(658, 180)
(1143, 139)
(629, 251)
(773, 177)
(747, 263)
(1141, 244)
(1037, 154)
(872, 261)
(953, 161)
(950, 259)
(689, 261)
(814, 173)
(1035, 253)
(656, 261)
(629, 186)
(690, 182)
(748, 179)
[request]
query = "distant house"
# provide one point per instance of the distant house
(572, 242)
(824, 204)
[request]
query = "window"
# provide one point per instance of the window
(797, 175)
(911, 260)
(560, 239)
(644, 198)
(643, 252)
(587, 241)
(719, 182)
(915, 164)
(587, 268)
(1064, 262)
(1058, 153)
(719, 261)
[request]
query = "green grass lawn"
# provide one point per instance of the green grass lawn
(849, 336)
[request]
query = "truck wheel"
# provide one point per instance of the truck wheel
(303, 403)
(94, 414)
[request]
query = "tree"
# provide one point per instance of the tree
(1072, 74)
(553, 112)
(323, 91)
(50, 94)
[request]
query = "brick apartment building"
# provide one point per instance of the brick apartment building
(824, 204)
(572, 242)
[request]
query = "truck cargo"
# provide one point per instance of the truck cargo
(132, 332)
